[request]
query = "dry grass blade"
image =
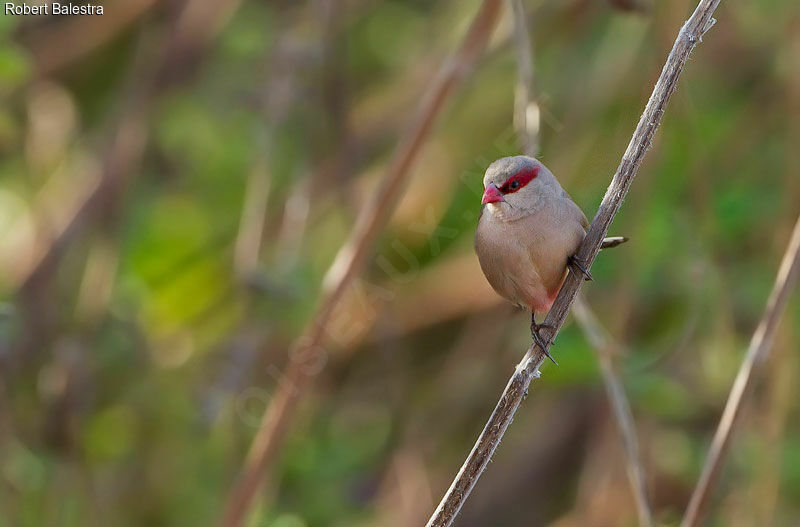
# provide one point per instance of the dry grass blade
(760, 344)
(517, 387)
(348, 264)
(526, 110)
(623, 417)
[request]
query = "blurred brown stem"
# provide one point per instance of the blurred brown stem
(120, 161)
(757, 351)
(251, 224)
(526, 110)
(517, 387)
(348, 264)
(603, 344)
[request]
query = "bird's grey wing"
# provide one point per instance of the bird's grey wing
(574, 206)
(584, 221)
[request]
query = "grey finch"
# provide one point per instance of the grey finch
(527, 235)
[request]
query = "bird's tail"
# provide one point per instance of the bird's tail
(613, 241)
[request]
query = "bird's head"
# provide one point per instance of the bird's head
(516, 186)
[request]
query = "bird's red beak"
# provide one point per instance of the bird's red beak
(492, 195)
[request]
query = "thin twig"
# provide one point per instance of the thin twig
(281, 95)
(293, 225)
(757, 352)
(526, 110)
(251, 223)
(604, 347)
(528, 368)
(348, 263)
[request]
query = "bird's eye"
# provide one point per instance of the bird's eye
(514, 185)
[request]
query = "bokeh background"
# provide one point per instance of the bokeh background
(176, 178)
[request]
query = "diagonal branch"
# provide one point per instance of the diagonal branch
(526, 120)
(760, 344)
(528, 369)
(348, 263)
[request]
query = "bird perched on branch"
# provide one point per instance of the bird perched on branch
(527, 235)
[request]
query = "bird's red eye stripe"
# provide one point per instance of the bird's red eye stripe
(519, 180)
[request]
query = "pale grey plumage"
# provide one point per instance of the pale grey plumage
(524, 241)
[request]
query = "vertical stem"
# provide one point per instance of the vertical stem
(615, 392)
(526, 110)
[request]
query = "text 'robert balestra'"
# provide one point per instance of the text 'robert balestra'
(52, 9)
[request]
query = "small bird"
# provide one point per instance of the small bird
(527, 235)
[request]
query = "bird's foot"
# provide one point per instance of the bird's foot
(539, 340)
(577, 267)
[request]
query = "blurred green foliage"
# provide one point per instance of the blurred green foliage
(136, 367)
